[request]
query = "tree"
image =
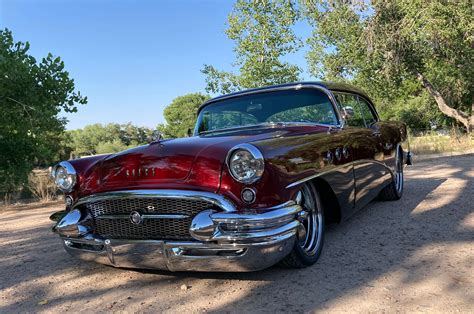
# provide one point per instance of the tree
(31, 96)
(110, 138)
(388, 45)
(263, 34)
(181, 115)
(114, 146)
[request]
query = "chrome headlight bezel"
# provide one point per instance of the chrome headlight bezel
(258, 161)
(66, 168)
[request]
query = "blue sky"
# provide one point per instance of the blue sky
(130, 58)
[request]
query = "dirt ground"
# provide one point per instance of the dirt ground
(413, 255)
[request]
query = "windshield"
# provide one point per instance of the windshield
(304, 105)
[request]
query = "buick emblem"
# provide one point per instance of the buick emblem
(136, 218)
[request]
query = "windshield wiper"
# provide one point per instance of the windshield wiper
(236, 128)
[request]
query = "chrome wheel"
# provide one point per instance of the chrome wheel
(394, 190)
(310, 234)
(311, 220)
(399, 173)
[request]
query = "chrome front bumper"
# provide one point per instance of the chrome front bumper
(181, 256)
(225, 241)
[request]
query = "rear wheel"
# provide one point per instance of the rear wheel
(310, 237)
(394, 190)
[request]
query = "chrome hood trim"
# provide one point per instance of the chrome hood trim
(213, 198)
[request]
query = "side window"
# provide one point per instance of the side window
(350, 109)
(367, 114)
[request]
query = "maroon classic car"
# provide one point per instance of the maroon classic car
(264, 172)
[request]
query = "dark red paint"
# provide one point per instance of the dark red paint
(198, 163)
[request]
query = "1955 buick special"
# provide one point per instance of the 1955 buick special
(264, 172)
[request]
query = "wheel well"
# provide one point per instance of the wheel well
(332, 210)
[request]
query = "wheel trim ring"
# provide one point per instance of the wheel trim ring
(312, 225)
(399, 174)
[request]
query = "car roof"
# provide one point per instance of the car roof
(332, 86)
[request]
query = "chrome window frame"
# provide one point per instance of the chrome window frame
(369, 102)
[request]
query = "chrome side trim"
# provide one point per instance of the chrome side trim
(213, 198)
(314, 176)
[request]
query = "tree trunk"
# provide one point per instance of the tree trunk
(472, 119)
(460, 116)
(7, 198)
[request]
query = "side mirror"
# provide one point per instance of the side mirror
(347, 113)
(190, 132)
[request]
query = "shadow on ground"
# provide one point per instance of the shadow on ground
(397, 255)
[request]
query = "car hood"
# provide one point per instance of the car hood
(169, 161)
(184, 163)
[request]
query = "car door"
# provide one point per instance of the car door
(365, 147)
(383, 146)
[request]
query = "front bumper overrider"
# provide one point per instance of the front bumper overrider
(224, 240)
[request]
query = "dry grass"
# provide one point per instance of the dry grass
(434, 143)
(41, 185)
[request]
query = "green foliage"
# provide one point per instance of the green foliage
(103, 139)
(417, 111)
(181, 115)
(388, 46)
(410, 104)
(263, 34)
(31, 96)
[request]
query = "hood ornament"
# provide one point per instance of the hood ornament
(155, 137)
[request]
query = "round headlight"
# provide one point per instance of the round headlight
(245, 163)
(64, 176)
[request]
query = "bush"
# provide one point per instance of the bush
(41, 185)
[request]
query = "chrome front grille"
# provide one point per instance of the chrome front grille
(156, 229)
(111, 217)
(147, 206)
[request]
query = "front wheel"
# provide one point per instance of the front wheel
(310, 237)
